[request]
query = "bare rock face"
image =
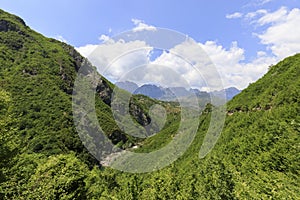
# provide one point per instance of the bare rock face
(6, 26)
(104, 91)
(78, 59)
(140, 116)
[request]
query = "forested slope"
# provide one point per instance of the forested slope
(42, 157)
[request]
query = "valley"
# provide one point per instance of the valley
(42, 155)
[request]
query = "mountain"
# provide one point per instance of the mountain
(179, 91)
(171, 93)
(127, 85)
(42, 156)
(36, 119)
(150, 90)
(229, 93)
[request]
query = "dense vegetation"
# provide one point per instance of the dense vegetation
(42, 157)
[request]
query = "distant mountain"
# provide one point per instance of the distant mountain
(229, 93)
(171, 93)
(149, 90)
(127, 85)
(42, 155)
(180, 91)
(200, 94)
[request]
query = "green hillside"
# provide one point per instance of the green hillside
(42, 156)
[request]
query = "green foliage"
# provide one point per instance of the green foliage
(42, 156)
(55, 177)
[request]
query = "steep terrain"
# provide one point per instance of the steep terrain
(42, 157)
(37, 78)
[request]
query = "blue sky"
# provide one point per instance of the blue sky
(237, 30)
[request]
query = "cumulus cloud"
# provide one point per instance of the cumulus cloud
(279, 32)
(89, 48)
(229, 63)
(86, 50)
(282, 34)
(192, 63)
(234, 15)
(275, 17)
(157, 74)
(188, 64)
(180, 67)
(141, 26)
(104, 38)
(234, 70)
(114, 59)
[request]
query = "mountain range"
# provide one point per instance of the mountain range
(171, 93)
(43, 157)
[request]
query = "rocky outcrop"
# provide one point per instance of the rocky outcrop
(104, 91)
(78, 59)
(6, 26)
(139, 115)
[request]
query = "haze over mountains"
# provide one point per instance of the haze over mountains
(43, 157)
(171, 93)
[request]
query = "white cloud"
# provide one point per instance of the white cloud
(282, 35)
(232, 67)
(89, 48)
(275, 17)
(180, 68)
(230, 63)
(218, 53)
(256, 3)
(60, 38)
(158, 74)
(252, 15)
(234, 15)
(262, 2)
(118, 60)
(104, 38)
(141, 26)
(86, 50)
(115, 59)
(192, 63)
